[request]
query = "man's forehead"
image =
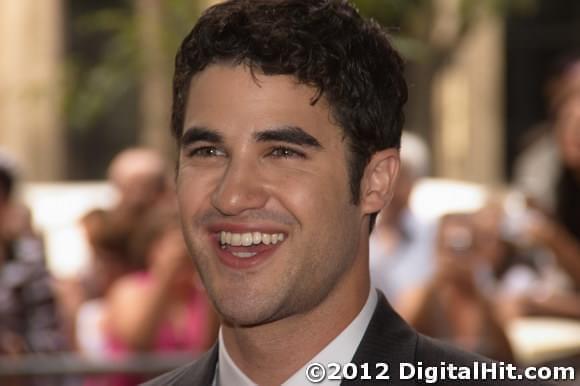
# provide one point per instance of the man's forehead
(223, 92)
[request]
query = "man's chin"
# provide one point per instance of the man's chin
(247, 313)
(243, 319)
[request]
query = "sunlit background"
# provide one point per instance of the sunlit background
(82, 80)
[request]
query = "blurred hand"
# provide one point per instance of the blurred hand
(456, 254)
(457, 273)
(170, 256)
(539, 231)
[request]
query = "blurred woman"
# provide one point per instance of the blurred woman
(453, 306)
(108, 234)
(162, 308)
(558, 231)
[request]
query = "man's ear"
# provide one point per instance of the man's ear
(379, 180)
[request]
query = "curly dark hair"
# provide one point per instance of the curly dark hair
(324, 44)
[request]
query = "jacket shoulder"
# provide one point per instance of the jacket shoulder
(433, 352)
(171, 377)
(197, 373)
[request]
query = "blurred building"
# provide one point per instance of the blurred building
(467, 98)
(31, 70)
(80, 80)
(534, 42)
(51, 58)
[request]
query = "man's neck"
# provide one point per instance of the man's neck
(269, 354)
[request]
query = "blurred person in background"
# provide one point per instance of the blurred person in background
(141, 178)
(556, 225)
(552, 184)
(109, 236)
(29, 320)
(486, 274)
(536, 169)
(402, 244)
(15, 218)
(533, 281)
(453, 305)
(163, 308)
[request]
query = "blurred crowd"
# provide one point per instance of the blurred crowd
(140, 292)
(461, 277)
(465, 276)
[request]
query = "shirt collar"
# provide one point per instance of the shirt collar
(227, 372)
(340, 350)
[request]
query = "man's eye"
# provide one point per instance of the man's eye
(285, 152)
(206, 151)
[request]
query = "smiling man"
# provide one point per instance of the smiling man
(288, 117)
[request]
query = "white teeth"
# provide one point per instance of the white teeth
(266, 238)
(236, 239)
(249, 238)
(244, 255)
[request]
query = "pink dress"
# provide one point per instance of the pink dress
(169, 339)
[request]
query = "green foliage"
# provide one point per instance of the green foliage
(389, 12)
(101, 80)
(98, 81)
(179, 19)
(94, 86)
(410, 21)
(403, 12)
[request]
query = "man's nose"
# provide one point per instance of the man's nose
(241, 188)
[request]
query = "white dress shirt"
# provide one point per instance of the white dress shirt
(340, 350)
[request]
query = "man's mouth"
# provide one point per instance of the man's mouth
(249, 238)
(247, 245)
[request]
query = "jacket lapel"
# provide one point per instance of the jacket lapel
(201, 372)
(388, 339)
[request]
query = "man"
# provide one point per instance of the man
(288, 116)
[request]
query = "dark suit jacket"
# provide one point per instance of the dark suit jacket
(388, 339)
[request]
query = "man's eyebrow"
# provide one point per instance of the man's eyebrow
(289, 134)
(198, 133)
